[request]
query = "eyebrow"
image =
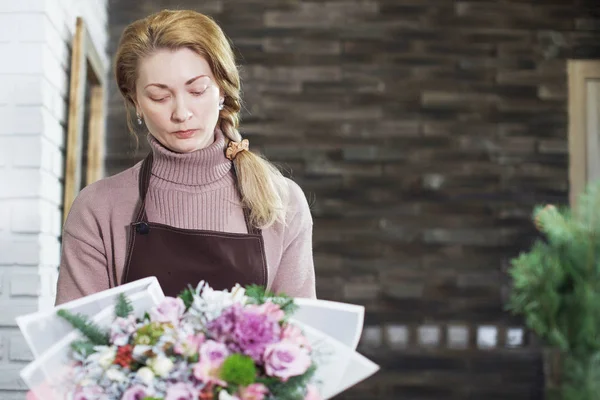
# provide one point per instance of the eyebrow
(163, 86)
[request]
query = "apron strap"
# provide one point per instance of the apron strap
(144, 183)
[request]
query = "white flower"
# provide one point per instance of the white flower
(146, 375)
(224, 395)
(211, 303)
(238, 294)
(104, 356)
(115, 375)
(140, 350)
(161, 365)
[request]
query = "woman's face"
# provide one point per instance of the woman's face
(178, 98)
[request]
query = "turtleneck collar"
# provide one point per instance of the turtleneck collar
(200, 167)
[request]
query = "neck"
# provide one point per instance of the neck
(199, 167)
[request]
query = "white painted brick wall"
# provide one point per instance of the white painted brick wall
(35, 40)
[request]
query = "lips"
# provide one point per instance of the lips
(185, 134)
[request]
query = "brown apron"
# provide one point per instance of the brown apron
(181, 257)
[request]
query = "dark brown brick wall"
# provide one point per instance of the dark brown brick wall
(423, 132)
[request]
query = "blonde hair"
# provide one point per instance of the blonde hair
(262, 187)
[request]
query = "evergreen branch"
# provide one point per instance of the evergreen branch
(123, 308)
(83, 347)
(86, 327)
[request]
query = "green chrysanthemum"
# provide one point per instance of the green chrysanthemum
(238, 369)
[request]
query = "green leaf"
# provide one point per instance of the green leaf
(187, 295)
(256, 293)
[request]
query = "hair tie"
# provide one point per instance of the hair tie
(233, 148)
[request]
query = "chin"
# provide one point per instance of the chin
(196, 142)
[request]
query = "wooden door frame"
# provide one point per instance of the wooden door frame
(86, 66)
(584, 147)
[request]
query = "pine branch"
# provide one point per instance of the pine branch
(123, 308)
(83, 347)
(86, 327)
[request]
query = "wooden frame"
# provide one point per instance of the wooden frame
(86, 67)
(584, 125)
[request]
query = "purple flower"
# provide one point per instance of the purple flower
(246, 330)
(170, 310)
(181, 391)
(136, 392)
(284, 360)
(223, 326)
(213, 352)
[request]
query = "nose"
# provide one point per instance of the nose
(181, 113)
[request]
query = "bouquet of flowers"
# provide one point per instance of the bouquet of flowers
(242, 344)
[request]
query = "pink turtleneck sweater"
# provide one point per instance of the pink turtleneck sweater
(192, 191)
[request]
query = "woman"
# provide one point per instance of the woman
(200, 206)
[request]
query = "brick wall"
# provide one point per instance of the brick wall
(423, 133)
(35, 39)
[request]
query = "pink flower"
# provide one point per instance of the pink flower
(170, 310)
(293, 334)
(136, 392)
(92, 392)
(312, 393)
(181, 391)
(212, 355)
(190, 345)
(284, 360)
(208, 373)
(255, 391)
(271, 310)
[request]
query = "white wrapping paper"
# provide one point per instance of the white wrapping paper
(332, 328)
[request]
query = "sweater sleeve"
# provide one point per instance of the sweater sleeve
(296, 273)
(83, 266)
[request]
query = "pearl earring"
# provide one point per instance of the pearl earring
(139, 119)
(221, 106)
